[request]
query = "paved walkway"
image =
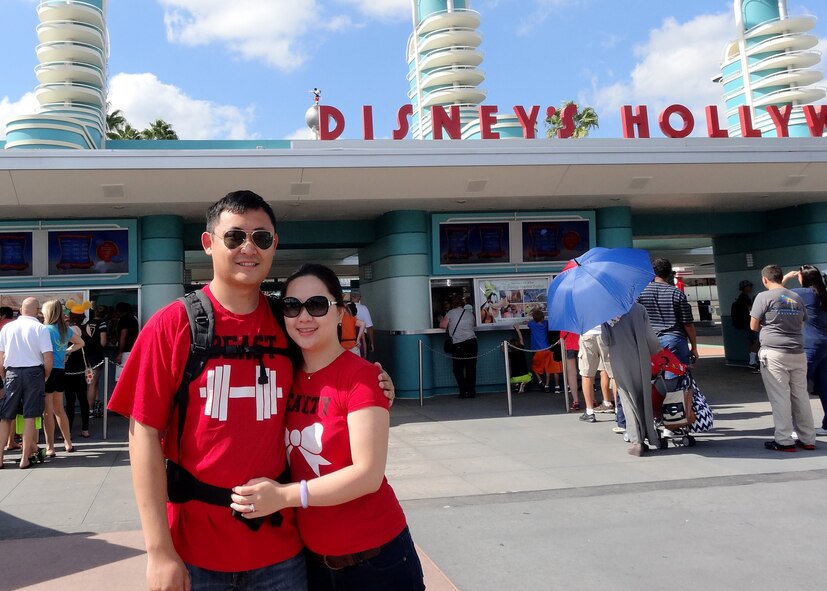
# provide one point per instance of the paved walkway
(538, 500)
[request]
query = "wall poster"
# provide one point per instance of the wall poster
(474, 243)
(509, 300)
(88, 252)
(16, 254)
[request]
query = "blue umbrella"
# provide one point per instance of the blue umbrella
(596, 287)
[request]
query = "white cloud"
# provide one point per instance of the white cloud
(9, 109)
(383, 9)
(675, 65)
(143, 99)
(302, 133)
(268, 31)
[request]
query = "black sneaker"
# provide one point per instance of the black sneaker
(775, 446)
(802, 445)
(755, 368)
(590, 418)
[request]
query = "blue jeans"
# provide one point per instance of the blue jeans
(679, 347)
(290, 575)
(817, 374)
(397, 568)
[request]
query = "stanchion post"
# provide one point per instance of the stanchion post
(421, 386)
(507, 378)
(105, 397)
(566, 394)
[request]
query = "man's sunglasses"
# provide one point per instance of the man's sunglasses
(263, 239)
(315, 306)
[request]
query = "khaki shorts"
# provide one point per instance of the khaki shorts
(593, 356)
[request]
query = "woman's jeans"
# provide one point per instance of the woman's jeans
(817, 374)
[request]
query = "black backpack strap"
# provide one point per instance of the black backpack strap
(202, 328)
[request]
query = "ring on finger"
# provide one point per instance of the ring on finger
(252, 507)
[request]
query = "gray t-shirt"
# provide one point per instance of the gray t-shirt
(782, 314)
(465, 330)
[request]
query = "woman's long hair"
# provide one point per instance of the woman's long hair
(53, 314)
(811, 277)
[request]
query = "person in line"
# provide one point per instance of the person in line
(632, 342)
(126, 332)
(542, 361)
(593, 356)
(95, 333)
(571, 341)
(739, 313)
(338, 424)
(459, 322)
(6, 316)
(352, 330)
(520, 375)
(25, 363)
(65, 340)
(363, 313)
(671, 316)
(814, 295)
(779, 315)
(190, 543)
(76, 368)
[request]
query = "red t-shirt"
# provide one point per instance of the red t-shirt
(319, 443)
(233, 430)
(571, 340)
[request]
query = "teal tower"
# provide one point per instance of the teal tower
(71, 74)
(770, 63)
(443, 58)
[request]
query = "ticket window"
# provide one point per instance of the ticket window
(443, 290)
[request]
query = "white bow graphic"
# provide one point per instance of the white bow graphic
(309, 442)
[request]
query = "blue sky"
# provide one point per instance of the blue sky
(244, 68)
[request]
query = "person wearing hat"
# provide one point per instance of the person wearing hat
(739, 313)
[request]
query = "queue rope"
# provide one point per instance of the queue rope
(480, 356)
(82, 372)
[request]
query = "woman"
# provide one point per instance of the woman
(352, 330)
(64, 340)
(814, 294)
(337, 433)
(459, 321)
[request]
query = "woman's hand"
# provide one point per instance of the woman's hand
(788, 276)
(386, 383)
(260, 497)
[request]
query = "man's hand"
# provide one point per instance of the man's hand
(166, 571)
(386, 383)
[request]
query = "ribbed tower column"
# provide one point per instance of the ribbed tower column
(770, 63)
(72, 76)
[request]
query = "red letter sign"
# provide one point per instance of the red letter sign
(747, 130)
(326, 112)
(488, 118)
(639, 119)
(528, 122)
(713, 124)
(666, 124)
(816, 120)
(441, 120)
(402, 115)
(367, 122)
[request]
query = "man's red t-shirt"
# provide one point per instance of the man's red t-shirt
(318, 443)
(232, 432)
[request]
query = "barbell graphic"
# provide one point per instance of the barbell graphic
(218, 393)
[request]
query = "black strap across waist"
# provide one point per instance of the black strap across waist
(182, 487)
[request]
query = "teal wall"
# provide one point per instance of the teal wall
(162, 262)
(792, 236)
(614, 227)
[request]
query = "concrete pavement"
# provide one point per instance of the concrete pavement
(539, 500)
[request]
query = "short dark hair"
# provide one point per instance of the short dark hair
(323, 274)
(772, 273)
(238, 202)
(6, 312)
(662, 268)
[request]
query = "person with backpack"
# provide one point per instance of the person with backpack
(739, 314)
(338, 424)
(208, 396)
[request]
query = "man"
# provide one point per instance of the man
(127, 332)
(779, 314)
(363, 314)
(740, 315)
(592, 357)
(233, 426)
(670, 315)
(25, 363)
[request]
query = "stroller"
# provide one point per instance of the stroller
(681, 412)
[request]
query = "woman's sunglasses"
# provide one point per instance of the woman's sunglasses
(263, 239)
(315, 306)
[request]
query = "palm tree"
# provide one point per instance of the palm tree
(127, 132)
(115, 123)
(583, 121)
(159, 130)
